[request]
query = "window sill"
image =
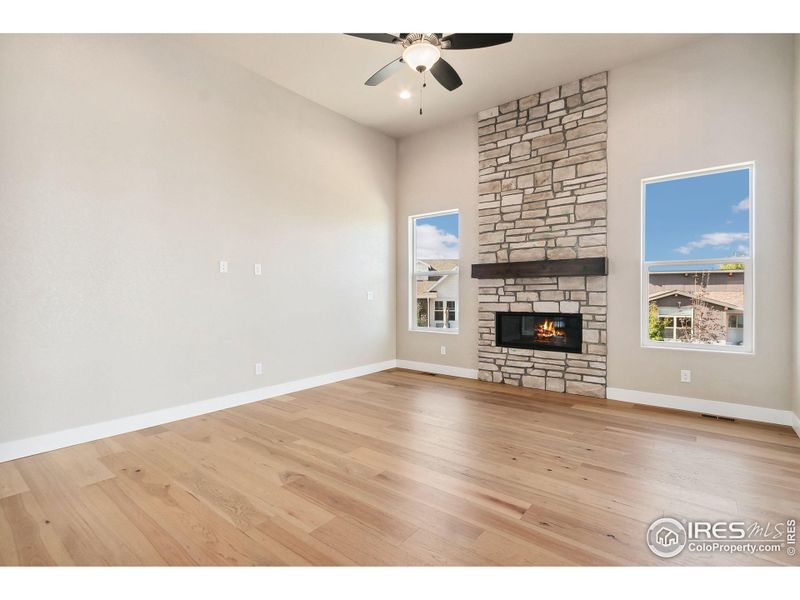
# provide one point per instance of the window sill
(433, 330)
(700, 348)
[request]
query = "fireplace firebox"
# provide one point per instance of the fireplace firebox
(539, 331)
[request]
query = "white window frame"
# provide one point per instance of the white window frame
(413, 273)
(748, 344)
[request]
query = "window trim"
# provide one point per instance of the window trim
(412, 274)
(748, 346)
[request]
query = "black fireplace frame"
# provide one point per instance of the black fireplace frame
(541, 346)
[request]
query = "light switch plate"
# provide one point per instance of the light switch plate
(370, 295)
(257, 269)
(223, 266)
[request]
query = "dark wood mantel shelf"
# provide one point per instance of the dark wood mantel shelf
(541, 268)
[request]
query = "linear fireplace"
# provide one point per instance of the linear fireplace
(540, 331)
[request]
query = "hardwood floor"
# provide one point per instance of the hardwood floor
(398, 468)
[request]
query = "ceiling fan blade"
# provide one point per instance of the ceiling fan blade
(468, 41)
(445, 74)
(387, 38)
(386, 72)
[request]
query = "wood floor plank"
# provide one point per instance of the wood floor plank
(27, 545)
(235, 506)
(257, 481)
(365, 546)
(311, 550)
(80, 464)
(510, 551)
(376, 496)
(400, 468)
(561, 546)
(489, 498)
(170, 551)
(80, 530)
(50, 535)
(340, 503)
(11, 482)
(438, 550)
(208, 537)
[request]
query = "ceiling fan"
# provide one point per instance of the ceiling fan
(423, 52)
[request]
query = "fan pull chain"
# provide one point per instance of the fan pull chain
(422, 89)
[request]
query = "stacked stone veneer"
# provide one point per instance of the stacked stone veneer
(543, 182)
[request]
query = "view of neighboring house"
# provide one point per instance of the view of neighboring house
(437, 294)
(678, 296)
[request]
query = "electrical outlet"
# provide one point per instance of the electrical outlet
(444, 350)
(370, 295)
(686, 376)
(257, 269)
(223, 266)
(259, 368)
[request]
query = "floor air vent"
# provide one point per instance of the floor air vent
(718, 418)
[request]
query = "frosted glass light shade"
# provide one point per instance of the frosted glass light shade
(421, 56)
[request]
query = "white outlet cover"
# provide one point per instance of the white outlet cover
(444, 350)
(686, 376)
(370, 295)
(259, 368)
(223, 266)
(257, 269)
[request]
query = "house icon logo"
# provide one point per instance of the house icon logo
(666, 537)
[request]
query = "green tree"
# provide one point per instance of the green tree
(732, 267)
(656, 325)
(422, 312)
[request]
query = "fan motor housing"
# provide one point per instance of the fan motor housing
(415, 38)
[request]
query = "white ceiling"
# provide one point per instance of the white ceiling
(330, 69)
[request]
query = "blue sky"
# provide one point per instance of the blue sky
(437, 236)
(706, 216)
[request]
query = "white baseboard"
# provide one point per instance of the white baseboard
(796, 424)
(436, 368)
(710, 407)
(88, 433)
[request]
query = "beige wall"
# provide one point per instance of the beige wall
(129, 166)
(723, 100)
(796, 253)
(438, 170)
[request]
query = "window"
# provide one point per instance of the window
(433, 240)
(439, 314)
(676, 328)
(697, 260)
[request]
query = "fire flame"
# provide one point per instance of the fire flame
(548, 330)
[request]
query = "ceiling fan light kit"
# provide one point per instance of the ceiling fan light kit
(421, 55)
(422, 52)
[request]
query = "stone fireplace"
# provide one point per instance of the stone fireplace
(542, 236)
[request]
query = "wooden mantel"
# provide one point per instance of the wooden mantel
(541, 268)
